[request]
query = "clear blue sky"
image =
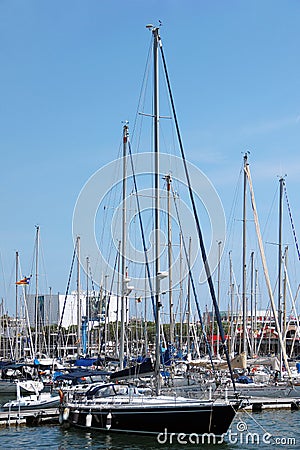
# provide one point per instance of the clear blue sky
(71, 72)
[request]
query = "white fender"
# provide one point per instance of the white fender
(108, 421)
(88, 420)
(66, 413)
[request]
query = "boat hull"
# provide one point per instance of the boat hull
(201, 419)
(7, 387)
(24, 404)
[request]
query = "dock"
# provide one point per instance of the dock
(31, 417)
(258, 404)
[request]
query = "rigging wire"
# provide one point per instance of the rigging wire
(141, 100)
(194, 287)
(109, 294)
(142, 230)
(292, 222)
(200, 236)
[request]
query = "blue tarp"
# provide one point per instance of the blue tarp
(78, 375)
(243, 379)
(85, 362)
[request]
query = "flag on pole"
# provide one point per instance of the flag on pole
(24, 280)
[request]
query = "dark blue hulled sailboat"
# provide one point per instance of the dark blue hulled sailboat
(123, 408)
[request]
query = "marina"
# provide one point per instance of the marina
(178, 322)
(184, 378)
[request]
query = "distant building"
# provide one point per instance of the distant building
(54, 308)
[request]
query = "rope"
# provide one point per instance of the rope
(251, 416)
(292, 222)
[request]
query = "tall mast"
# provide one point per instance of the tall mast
(255, 306)
(87, 307)
(156, 44)
(106, 322)
(49, 318)
(284, 293)
(123, 254)
(231, 306)
(180, 290)
(17, 275)
(251, 303)
(78, 298)
(218, 292)
(244, 297)
(279, 307)
(188, 322)
(118, 301)
(169, 180)
(37, 312)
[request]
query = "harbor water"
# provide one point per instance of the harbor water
(273, 428)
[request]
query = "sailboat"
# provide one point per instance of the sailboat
(33, 401)
(126, 408)
(266, 378)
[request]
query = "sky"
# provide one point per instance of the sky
(71, 73)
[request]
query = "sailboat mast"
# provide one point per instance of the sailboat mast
(156, 43)
(279, 307)
(49, 311)
(251, 304)
(218, 292)
(255, 306)
(244, 347)
(231, 306)
(171, 306)
(188, 321)
(180, 291)
(87, 307)
(17, 274)
(123, 258)
(284, 293)
(118, 301)
(37, 312)
(78, 298)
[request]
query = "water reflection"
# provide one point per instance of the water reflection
(285, 424)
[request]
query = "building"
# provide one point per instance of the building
(62, 309)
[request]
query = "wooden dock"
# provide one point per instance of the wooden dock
(29, 417)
